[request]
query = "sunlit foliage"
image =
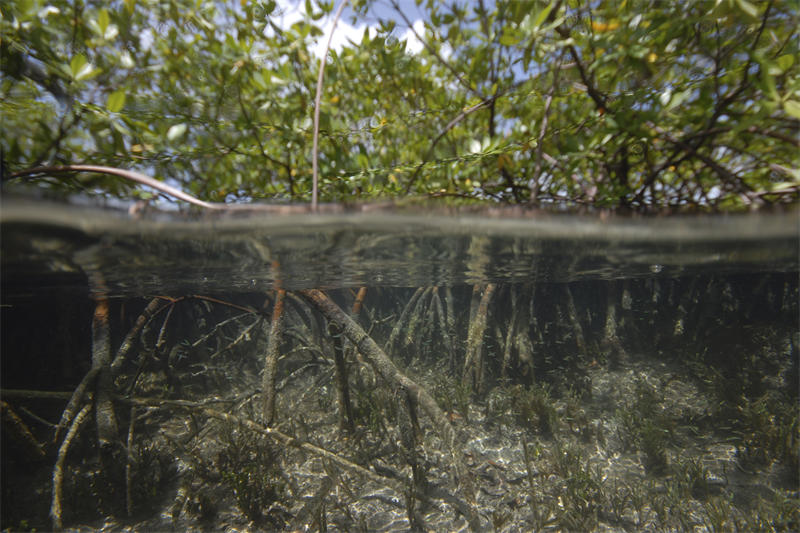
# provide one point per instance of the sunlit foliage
(640, 104)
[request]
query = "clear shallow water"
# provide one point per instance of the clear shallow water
(528, 372)
(240, 253)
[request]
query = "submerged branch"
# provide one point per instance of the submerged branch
(342, 387)
(272, 433)
(14, 425)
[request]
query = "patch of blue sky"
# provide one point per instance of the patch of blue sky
(352, 26)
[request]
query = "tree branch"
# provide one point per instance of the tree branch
(127, 174)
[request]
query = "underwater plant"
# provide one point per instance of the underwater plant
(453, 395)
(250, 467)
(695, 475)
(718, 514)
(653, 443)
(582, 490)
(534, 408)
(400, 455)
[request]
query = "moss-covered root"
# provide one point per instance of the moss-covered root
(611, 340)
(407, 311)
(574, 319)
(473, 364)
(271, 358)
(342, 387)
(447, 337)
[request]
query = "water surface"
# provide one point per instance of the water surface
(457, 369)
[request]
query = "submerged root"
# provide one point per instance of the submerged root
(271, 359)
(58, 469)
(342, 386)
(473, 363)
(388, 371)
(19, 431)
(407, 311)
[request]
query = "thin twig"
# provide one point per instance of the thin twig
(540, 141)
(461, 116)
(223, 302)
(317, 99)
(30, 393)
(243, 336)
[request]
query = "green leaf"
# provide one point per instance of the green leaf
(541, 16)
(120, 128)
(309, 8)
(103, 20)
(784, 62)
(77, 64)
(768, 83)
(80, 69)
(116, 101)
(678, 98)
(792, 107)
(509, 39)
(26, 9)
(176, 131)
(747, 8)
